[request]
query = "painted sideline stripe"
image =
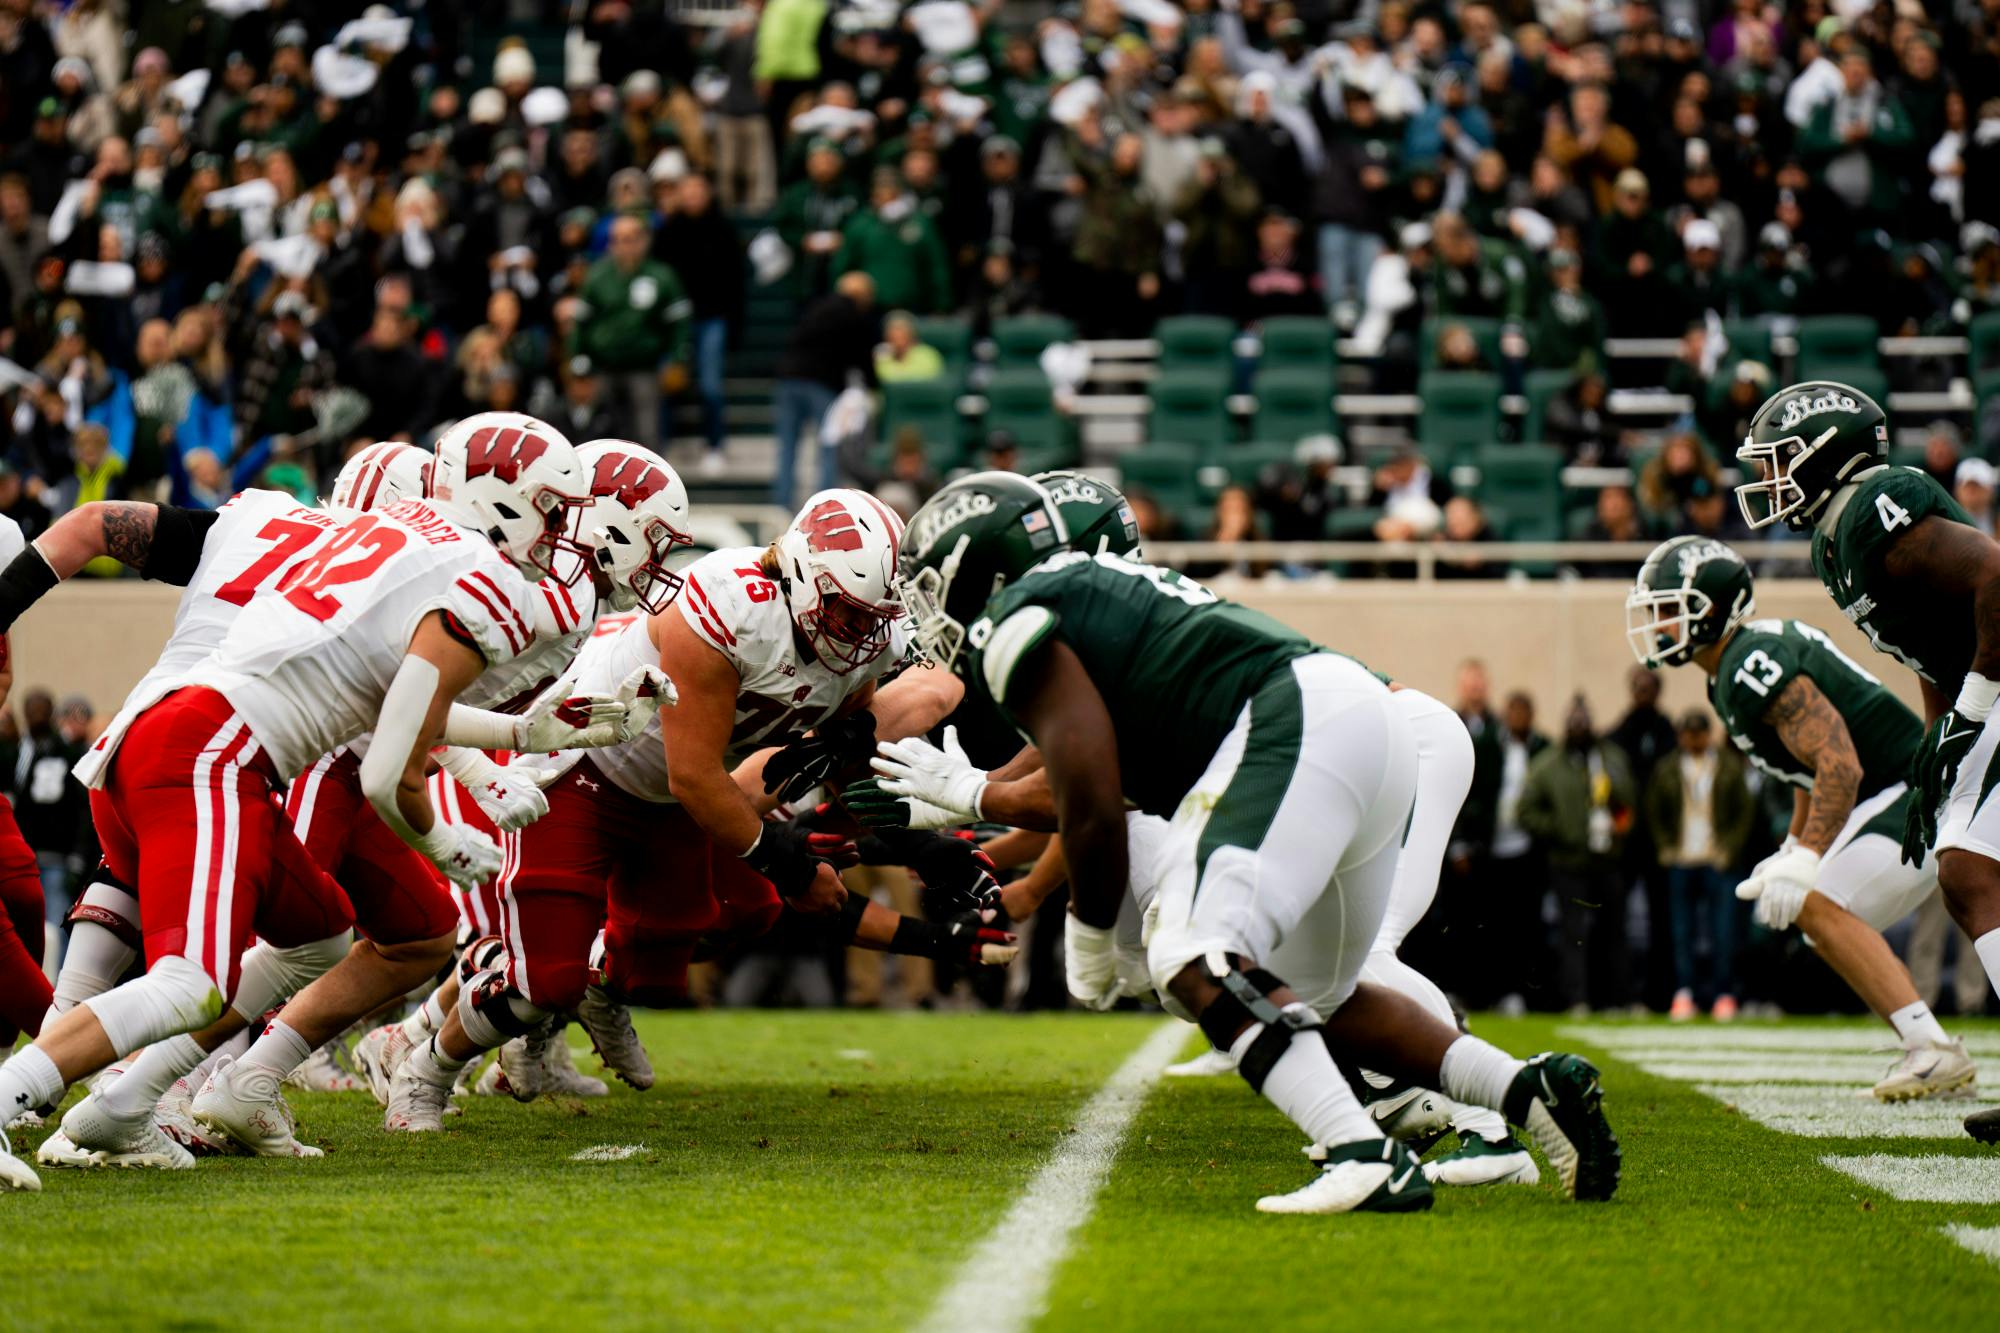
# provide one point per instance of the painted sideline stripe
(1862, 1037)
(1983, 1241)
(1763, 1066)
(1936, 1178)
(1002, 1285)
(1836, 1113)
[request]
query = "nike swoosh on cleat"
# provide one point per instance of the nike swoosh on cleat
(1396, 1184)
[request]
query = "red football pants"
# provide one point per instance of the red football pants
(25, 993)
(398, 896)
(645, 873)
(479, 910)
(190, 816)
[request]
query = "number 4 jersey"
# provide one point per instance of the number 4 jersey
(306, 662)
(1909, 623)
(1763, 657)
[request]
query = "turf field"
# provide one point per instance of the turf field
(889, 1171)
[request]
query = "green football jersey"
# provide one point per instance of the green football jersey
(1761, 659)
(1912, 624)
(1174, 663)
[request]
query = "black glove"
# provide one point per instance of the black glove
(789, 856)
(833, 748)
(874, 808)
(967, 939)
(957, 873)
(1933, 770)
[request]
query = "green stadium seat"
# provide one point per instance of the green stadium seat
(1749, 340)
(1906, 455)
(1292, 403)
(1870, 379)
(1830, 346)
(1192, 405)
(1459, 413)
(1982, 363)
(1485, 332)
(1019, 341)
(932, 407)
(1242, 464)
(1166, 470)
(1521, 485)
(1298, 342)
(1540, 389)
(953, 339)
(1018, 401)
(1195, 340)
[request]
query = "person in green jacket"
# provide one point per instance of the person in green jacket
(896, 245)
(1570, 325)
(810, 215)
(1578, 803)
(635, 326)
(1856, 143)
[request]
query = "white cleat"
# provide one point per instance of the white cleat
(379, 1054)
(246, 1104)
(1206, 1065)
(322, 1071)
(522, 1061)
(175, 1116)
(610, 1027)
(32, 1118)
(102, 1080)
(561, 1077)
(1371, 1175)
(16, 1174)
(492, 1083)
(92, 1136)
(1415, 1115)
(1478, 1161)
(416, 1106)
(1929, 1070)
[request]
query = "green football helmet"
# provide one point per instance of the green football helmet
(1691, 591)
(1805, 443)
(974, 537)
(1098, 517)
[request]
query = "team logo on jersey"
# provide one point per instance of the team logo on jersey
(830, 527)
(964, 507)
(1811, 405)
(503, 452)
(626, 479)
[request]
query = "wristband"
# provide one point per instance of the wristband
(1976, 696)
(27, 576)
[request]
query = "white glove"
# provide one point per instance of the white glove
(560, 718)
(944, 778)
(642, 694)
(1779, 886)
(1783, 847)
(465, 854)
(511, 796)
(924, 815)
(1091, 962)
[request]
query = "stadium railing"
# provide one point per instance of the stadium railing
(1425, 557)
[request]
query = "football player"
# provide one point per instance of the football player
(1906, 565)
(1287, 776)
(25, 994)
(375, 625)
(1809, 716)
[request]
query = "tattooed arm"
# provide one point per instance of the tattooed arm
(1815, 734)
(121, 529)
(1951, 558)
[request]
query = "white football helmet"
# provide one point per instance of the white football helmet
(638, 513)
(515, 479)
(381, 474)
(838, 564)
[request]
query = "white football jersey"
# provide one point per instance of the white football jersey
(306, 666)
(785, 691)
(562, 625)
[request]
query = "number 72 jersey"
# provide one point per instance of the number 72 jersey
(1765, 656)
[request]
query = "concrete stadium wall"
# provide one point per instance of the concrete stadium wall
(1550, 639)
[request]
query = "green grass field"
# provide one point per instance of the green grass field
(834, 1170)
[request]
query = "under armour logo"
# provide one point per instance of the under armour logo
(21, 1100)
(585, 782)
(496, 790)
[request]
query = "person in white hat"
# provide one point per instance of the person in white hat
(1973, 488)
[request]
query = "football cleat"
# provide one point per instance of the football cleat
(560, 1075)
(32, 1118)
(246, 1103)
(1927, 1070)
(1206, 1065)
(175, 1116)
(1478, 1161)
(1984, 1125)
(416, 1106)
(1368, 1175)
(106, 1076)
(521, 1060)
(16, 1174)
(1558, 1099)
(379, 1054)
(610, 1027)
(1416, 1116)
(92, 1136)
(324, 1071)
(492, 1083)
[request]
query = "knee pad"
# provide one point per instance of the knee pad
(1246, 1001)
(272, 975)
(482, 955)
(491, 1011)
(112, 907)
(175, 997)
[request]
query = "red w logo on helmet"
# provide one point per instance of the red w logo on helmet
(626, 479)
(503, 452)
(829, 527)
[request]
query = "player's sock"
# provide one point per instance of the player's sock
(280, 1049)
(28, 1080)
(92, 964)
(1307, 1086)
(147, 1079)
(1477, 1071)
(427, 1018)
(1916, 1025)
(432, 1065)
(1481, 1121)
(1987, 946)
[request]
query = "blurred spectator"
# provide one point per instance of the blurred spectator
(1155, 524)
(51, 807)
(398, 381)
(1699, 813)
(1778, 281)
(1668, 480)
(1119, 239)
(1578, 421)
(1001, 452)
(1216, 209)
(1571, 323)
(1973, 489)
(910, 480)
(902, 357)
(581, 411)
(1003, 209)
(1634, 246)
(1465, 521)
(1577, 802)
(1297, 498)
(98, 474)
(1944, 447)
(1647, 739)
(1699, 287)
(1410, 496)
(1513, 911)
(635, 327)
(1730, 401)
(281, 372)
(1857, 141)
(1476, 277)
(831, 345)
(1351, 195)
(897, 246)
(1236, 520)
(1279, 282)
(1584, 141)
(704, 251)
(745, 166)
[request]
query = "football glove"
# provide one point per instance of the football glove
(944, 777)
(835, 747)
(1933, 770)
(1090, 963)
(1779, 886)
(971, 939)
(564, 718)
(466, 855)
(642, 694)
(874, 808)
(510, 796)
(789, 856)
(957, 874)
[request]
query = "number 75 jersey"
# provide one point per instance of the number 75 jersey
(307, 662)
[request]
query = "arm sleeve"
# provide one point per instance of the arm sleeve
(175, 552)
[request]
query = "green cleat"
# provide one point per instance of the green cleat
(1984, 1125)
(1560, 1102)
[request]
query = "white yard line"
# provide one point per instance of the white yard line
(1862, 1037)
(1983, 1241)
(1836, 1113)
(1002, 1285)
(1930, 1179)
(1856, 1071)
